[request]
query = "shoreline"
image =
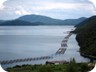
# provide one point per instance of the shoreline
(92, 58)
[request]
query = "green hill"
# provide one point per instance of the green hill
(86, 37)
(50, 21)
(30, 20)
(19, 23)
(2, 21)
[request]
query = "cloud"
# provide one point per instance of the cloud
(93, 7)
(52, 8)
(1, 4)
(66, 5)
(94, 2)
(58, 5)
(21, 11)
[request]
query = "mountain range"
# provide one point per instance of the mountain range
(40, 20)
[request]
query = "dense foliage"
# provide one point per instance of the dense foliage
(72, 67)
(86, 37)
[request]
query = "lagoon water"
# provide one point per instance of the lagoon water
(35, 41)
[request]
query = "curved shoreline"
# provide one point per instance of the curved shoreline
(92, 58)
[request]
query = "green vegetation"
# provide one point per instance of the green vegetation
(19, 23)
(50, 21)
(2, 21)
(34, 20)
(71, 67)
(86, 37)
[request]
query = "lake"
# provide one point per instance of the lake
(35, 41)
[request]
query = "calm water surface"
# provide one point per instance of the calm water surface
(34, 41)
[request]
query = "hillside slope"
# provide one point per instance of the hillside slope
(50, 21)
(86, 37)
(18, 23)
(2, 21)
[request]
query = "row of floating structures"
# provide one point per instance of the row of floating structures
(59, 51)
(25, 59)
(64, 45)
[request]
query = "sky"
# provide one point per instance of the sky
(58, 9)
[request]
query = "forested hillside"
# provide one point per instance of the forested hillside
(86, 37)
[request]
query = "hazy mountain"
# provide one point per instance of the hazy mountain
(18, 23)
(2, 21)
(39, 20)
(50, 21)
(74, 21)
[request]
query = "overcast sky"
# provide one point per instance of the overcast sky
(60, 9)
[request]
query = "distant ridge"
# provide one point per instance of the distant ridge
(39, 18)
(2, 21)
(18, 23)
(30, 20)
(50, 21)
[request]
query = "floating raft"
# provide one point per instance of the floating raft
(26, 59)
(61, 50)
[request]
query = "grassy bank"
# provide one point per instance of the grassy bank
(71, 67)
